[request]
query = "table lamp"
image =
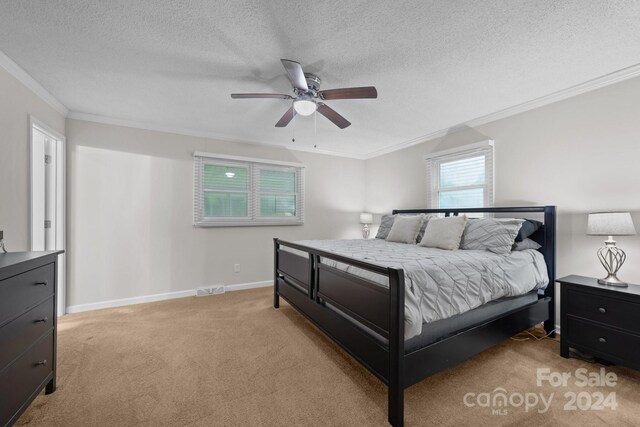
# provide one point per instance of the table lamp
(612, 257)
(365, 220)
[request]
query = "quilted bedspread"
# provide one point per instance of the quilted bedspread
(440, 283)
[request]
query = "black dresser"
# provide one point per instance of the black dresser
(599, 320)
(27, 330)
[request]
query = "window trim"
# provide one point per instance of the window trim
(253, 165)
(246, 159)
(433, 160)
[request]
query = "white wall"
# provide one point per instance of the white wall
(16, 103)
(130, 213)
(581, 154)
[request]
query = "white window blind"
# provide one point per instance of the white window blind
(235, 191)
(461, 178)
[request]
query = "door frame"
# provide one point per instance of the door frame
(61, 201)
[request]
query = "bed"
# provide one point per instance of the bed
(371, 299)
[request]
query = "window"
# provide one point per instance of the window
(237, 191)
(461, 178)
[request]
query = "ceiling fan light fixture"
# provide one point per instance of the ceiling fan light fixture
(307, 96)
(304, 107)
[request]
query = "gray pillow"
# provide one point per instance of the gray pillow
(444, 233)
(529, 226)
(491, 234)
(386, 222)
(405, 229)
(526, 244)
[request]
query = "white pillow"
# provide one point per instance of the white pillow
(444, 233)
(405, 229)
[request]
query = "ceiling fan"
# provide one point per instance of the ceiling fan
(308, 97)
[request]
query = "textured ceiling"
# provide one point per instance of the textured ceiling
(435, 64)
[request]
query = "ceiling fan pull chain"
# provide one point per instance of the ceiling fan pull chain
(293, 128)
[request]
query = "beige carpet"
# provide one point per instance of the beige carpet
(232, 360)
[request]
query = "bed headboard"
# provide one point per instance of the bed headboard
(545, 236)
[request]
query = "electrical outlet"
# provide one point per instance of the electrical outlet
(236, 268)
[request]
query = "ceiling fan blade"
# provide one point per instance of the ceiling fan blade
(332, 115)
(349, 93)
(288, 116)
(296, 75)
(260, 95)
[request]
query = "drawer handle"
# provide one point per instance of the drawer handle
(602, 340)
(602, 310)
(43, 320)
(42, 363)
(45, 283)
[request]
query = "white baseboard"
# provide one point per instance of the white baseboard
(252, 285)
(159, 297)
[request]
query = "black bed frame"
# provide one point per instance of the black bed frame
(367, 320)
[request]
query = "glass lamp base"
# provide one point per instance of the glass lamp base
(365, 231)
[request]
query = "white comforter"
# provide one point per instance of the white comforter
(439, 283)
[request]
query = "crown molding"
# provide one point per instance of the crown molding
(588, 86)
(85, 117)
(23, 77)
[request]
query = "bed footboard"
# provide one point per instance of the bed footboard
(362, 317)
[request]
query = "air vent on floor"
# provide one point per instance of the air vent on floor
(210, 290)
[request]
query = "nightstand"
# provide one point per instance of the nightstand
(599, 320)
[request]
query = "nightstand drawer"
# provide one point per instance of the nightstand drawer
(24, 376)
(17, 335)
(591, 336)
(599, 308)
(25, 290)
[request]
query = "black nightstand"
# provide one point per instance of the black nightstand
(599, 320)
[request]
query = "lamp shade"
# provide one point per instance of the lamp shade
(366, 218)
(610, 224)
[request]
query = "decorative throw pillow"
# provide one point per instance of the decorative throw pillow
(386, 222)
(423, 227)
(405, 229)
(526, 244)
(529, 226)
(491, 234)
(444, 233)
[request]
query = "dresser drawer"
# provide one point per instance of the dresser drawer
(611, 311)
(17, 335)
(25, 290)
(590, 336)
(24, 376)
